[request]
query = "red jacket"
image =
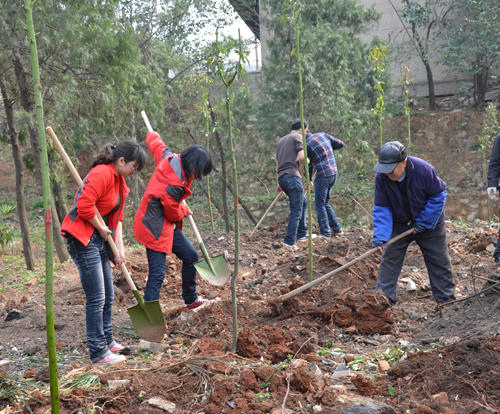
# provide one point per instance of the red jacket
(161, 206)
(103, 190)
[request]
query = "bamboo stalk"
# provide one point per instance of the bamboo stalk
(49, 259)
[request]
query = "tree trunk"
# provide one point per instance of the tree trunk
(22, 81)
(430, 83)
(18, 163)
(60, 205)
(240, 200)
(223, 167)
(481, 82)
(217, 207)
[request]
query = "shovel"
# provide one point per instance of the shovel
(146, 317)
(214, 270)
(280, 299)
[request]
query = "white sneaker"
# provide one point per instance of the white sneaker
(293, 247)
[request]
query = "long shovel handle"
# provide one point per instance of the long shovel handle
(79, 181)
(265, 214)
(190, 218)
(309, 285)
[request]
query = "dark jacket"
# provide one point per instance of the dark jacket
(161, 206)
(426, 195)
(494, 168)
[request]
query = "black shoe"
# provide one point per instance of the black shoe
(497, 260)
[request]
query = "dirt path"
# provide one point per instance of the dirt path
(336, 333)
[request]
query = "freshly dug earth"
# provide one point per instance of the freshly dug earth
(276, 363)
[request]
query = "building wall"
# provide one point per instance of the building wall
(390, 25)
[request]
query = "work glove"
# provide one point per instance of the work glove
(418, 228)
(377, 243)
(492, 193)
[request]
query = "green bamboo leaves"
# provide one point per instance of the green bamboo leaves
(377, 59)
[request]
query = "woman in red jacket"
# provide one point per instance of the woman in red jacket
(158, 222)
(104, 191)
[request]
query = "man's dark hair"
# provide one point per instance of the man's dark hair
(196, 160)
(296, 124)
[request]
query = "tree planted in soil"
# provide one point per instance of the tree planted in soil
(204, 107)
(292, 9)
(228, 74)
(405, 81)
(49, 260)
(377, 58)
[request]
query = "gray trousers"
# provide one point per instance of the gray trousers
(434, 248)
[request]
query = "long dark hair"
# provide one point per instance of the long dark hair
(129, 150)
(196, 160)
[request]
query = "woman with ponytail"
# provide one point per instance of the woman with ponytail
(104, 191)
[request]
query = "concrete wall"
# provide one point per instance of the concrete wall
(390, 25)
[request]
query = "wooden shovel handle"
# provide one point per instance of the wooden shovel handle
(265, 214)
(76, 176)
(309, 285)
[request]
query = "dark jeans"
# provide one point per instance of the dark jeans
(326, 216)
(434, 248)
(292, 187)
(97, 282)
(157, 261)
(496, 253)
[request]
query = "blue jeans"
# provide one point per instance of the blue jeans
(324, 211)
(157, 261)
(292, 187)
(97, 282)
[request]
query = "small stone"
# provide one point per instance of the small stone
(278, 410)
(441, 399)
(167, 406)
(317, 409)
(383, 366)
(113, 384)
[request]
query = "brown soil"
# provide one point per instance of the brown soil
(198, 372)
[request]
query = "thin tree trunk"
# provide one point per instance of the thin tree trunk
(223, 167)
(240, 200)
(60, 205)
(217, 207)
(18, 163)
(430, 83)
(22, 81)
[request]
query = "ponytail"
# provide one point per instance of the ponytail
(129, 150)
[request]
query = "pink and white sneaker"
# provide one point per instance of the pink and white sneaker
(111, 359)
(199, 303)
(120, 349)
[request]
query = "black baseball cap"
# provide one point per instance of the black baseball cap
(389, 156)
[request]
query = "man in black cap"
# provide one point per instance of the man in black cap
(409, 193)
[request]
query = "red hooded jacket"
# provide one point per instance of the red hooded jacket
(161, 206)
(104, 191)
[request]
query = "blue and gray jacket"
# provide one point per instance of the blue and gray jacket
(426, 195)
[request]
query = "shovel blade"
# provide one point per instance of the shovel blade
(153, 331)
(222, 271)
